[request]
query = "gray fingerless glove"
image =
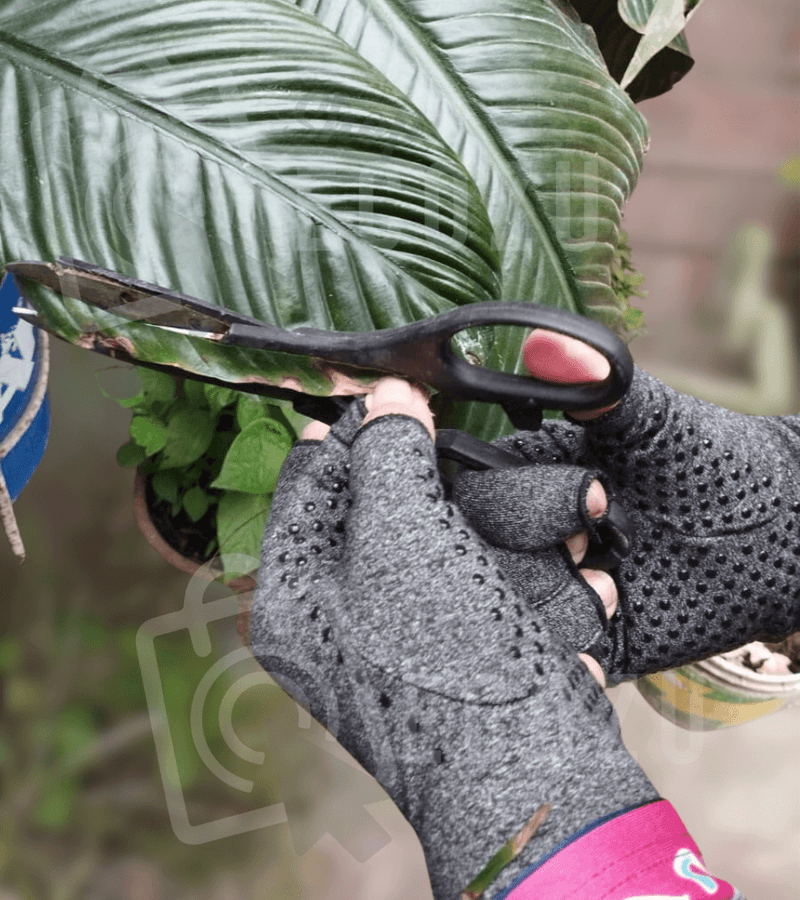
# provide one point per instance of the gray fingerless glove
(715, 499)
(381, 610)
(540, 505)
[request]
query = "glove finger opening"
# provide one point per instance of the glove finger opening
(530, 508)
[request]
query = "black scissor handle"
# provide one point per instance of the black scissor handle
(422, 352)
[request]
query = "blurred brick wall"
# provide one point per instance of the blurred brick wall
(718, 142)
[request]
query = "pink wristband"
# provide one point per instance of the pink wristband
(644, 854)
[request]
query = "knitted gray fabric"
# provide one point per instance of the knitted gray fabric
(383, 612)
(715, 500)
(547, 504)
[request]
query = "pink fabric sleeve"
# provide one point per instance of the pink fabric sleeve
(643, 854)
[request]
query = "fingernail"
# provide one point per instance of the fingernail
(596, 500)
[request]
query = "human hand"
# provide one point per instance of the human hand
(394, 396)
(715, 500)
(383, 612)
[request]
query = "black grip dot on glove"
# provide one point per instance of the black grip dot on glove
(714, 497)
(383, 611)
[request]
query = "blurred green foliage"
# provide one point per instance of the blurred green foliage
(626, 282)
(77, 762)
(81, 790)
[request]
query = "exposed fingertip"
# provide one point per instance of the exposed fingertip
(392, 390)
(604, 586)
(315, 431)
(577, 545)
(562, 359)
(393, 396)
(594, 668)
(596, 500)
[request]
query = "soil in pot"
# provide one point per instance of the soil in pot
(193, 540)
(778, 658)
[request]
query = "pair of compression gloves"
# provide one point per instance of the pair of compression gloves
(437, 637)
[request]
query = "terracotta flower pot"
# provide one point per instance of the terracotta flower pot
(244, 585)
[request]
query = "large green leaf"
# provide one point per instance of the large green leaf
(519, 89)
(346, 164)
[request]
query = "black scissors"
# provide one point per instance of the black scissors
(421, 353)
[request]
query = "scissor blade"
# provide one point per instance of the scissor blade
(122, 296)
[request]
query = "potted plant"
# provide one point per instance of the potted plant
(289, 165)
(207, 460)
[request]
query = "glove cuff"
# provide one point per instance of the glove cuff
(640, 852)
